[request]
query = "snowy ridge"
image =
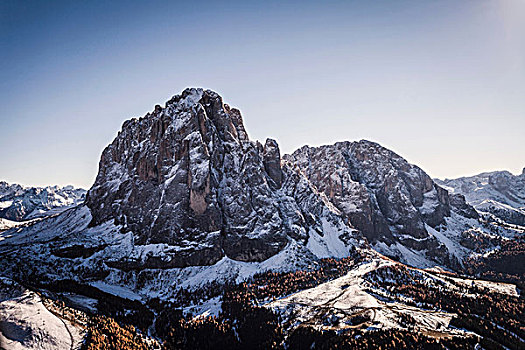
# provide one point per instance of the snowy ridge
(19, 203)
(34, 244)
(346, 297)
(336, 305)
(497, 193)
(28, 324)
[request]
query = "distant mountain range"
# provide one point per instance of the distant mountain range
(19, 203)
(498, 193)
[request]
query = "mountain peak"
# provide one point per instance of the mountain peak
(187, 175)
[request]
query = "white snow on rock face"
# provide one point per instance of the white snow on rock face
(41, 243)
(19, 203)
(498, 193)
(186, 175)
(328, 245)
(25, 323)
(396, 205)
(182, 198)
(500, 186)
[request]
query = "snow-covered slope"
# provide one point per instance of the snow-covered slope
(499, 193)
(7, 224)
(64, 247)
(344, 298)
(19, 203)
(25, 323)
(352, 301)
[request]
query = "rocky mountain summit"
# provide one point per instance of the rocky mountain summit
(389, 200)
(498, 193)
(187, 175)
(19, 202)
(189, 218)
(184, 195)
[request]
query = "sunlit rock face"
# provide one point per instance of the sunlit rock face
(188, 175)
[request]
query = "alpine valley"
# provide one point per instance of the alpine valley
(193, 236)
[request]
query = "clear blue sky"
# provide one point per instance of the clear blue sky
(442, 83)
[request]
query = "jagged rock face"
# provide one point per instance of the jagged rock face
(497, 193)
(187, 175)
(381, 194)
(23, 203)
(272, 162)
(459, 205)
(510, 186)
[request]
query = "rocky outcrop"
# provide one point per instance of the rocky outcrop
(460, 206)
(187, 175)
(272, 162)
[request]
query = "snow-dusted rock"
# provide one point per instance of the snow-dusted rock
(187, 175)
(183, 197)
(19, 203)
(389, 200)
(498, 193)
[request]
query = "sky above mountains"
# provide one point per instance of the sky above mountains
(442, 83)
